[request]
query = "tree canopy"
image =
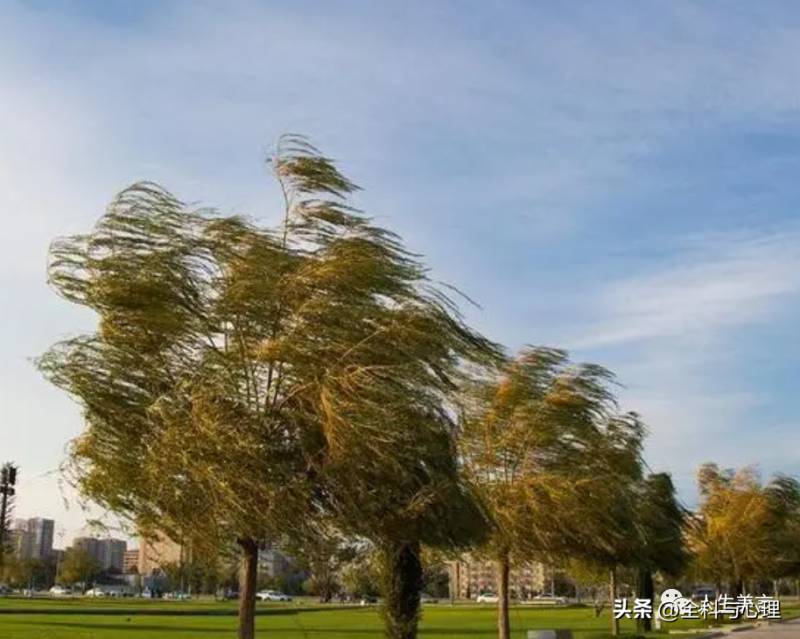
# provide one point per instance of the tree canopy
(744, 530)
(243, 380)
(554, 461)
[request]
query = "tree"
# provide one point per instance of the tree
(176, 574)
(661, 522)
(413, 500)
(743, 530)
(9, 570)
(244, 380)
(78, 566)
(27, 573)
(589, 576)
(607, 502)
(784, 495)
(361, 576)
(323, 553)
(544, 444)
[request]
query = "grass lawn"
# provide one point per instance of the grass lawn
(136, 619)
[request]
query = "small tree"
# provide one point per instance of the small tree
(361, 576)
(78, 567)
(607, 503)
(323, 552)
(661, 521)
(544, 445)
(416, 499)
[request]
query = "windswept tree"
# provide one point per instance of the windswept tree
(611, 533)
(662, 522)
(243, 379)
(744, 530)
(414, 499)
(545, 446)
(784, 495)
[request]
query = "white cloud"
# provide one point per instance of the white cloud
(459, 136)
(716, 283)
(677, 334)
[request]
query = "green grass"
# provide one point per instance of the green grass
(135, 619)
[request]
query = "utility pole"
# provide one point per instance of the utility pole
(59, 554)
(8, 479)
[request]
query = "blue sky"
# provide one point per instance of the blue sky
(616, 178)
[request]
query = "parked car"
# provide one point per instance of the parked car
(95, 592)
(59, 591)
(272, 595)
(547, 600)
(368, 600)
(487, 597)
(227, 594)
(178, 596)
(426, 598)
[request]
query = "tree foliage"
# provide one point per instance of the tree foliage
(744, 530)
(554, 461)
(662, 520)
(244, 379)
(78, 566)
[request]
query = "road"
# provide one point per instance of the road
(789, 630)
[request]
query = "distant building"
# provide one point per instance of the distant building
(130, 562)
(155, 553)
(109, 553)
(17, 539)
(471, 577)
(33, 538)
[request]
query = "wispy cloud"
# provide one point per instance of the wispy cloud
(715, 283)
(517, 147)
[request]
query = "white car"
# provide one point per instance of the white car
(59, 591)
(272, 595)
(546, 600)
(177, 596)
(95, 592)
(487, 598)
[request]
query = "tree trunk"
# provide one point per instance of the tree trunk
(402, 585)
(503, 623)
(248, 576)
(646, 591)
(612, 592)
(455, 580)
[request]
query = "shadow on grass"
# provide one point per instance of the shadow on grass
(155, 612)
(121, 629)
